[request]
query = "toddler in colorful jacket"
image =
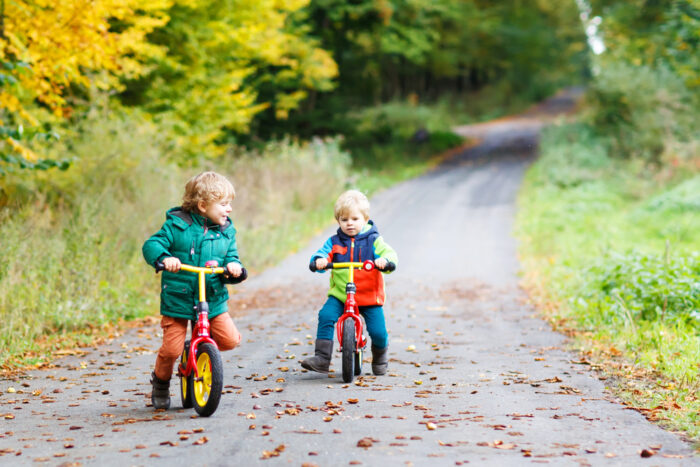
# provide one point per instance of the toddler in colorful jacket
(356, 240)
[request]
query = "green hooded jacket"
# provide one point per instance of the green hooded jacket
(194, 240)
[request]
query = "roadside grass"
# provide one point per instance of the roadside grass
(609, 249)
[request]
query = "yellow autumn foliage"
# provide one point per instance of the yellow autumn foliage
(74, 42)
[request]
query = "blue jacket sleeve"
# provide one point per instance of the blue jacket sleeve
(323, 252)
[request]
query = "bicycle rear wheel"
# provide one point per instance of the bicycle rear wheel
(348, 350)
(206, 390)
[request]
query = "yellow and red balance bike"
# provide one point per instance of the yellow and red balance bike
(349, 328)
(201, 370)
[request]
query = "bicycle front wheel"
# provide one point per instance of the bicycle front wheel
(348, 350)
(206, 390)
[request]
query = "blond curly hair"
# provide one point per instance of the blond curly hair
(349, 200)
(208, 187)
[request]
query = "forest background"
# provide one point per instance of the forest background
(108, 106)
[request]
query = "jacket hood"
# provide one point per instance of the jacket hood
(367, 230)
(184, 219)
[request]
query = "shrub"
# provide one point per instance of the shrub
(641, 109)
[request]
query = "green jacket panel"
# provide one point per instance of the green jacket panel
(193, 240)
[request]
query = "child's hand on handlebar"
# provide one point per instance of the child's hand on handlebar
(321, 263)
(380, 263)
(234, 269)
(172, 264)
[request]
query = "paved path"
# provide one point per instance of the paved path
(474, 377)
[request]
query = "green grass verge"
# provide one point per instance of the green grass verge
(610, 251)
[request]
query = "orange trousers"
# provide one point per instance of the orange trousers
(221, 328)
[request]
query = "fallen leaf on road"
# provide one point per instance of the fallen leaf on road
(275, 453)
(647, 452)
(365, 443)
(201, 441)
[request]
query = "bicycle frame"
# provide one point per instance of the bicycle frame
(351, 310)
(200, 330)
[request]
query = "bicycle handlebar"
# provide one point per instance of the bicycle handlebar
(367, 266)
(208, 270)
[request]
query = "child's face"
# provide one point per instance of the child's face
(351, 222)
(216, 211)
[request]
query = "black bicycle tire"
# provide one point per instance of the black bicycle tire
(185, 393)
(348, 358)
(217, 381)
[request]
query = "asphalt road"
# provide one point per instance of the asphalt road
(474, 375)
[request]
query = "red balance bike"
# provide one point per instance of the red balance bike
(349, 328)
(201, 370)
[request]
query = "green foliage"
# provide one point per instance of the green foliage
(594, 238)
(393, 48)
(654, 34)
(426, 50)
(645, 287)
(685, 197)
(573, 159)
(386, 135)
(73, 238)
(17, 132)
(642, 109)
(226, 61)
(609, 249)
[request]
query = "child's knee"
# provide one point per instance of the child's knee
(169, 353)
(225, 332)
(380, 341)
(229, 342)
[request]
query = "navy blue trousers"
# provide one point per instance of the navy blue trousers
(373, 315)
